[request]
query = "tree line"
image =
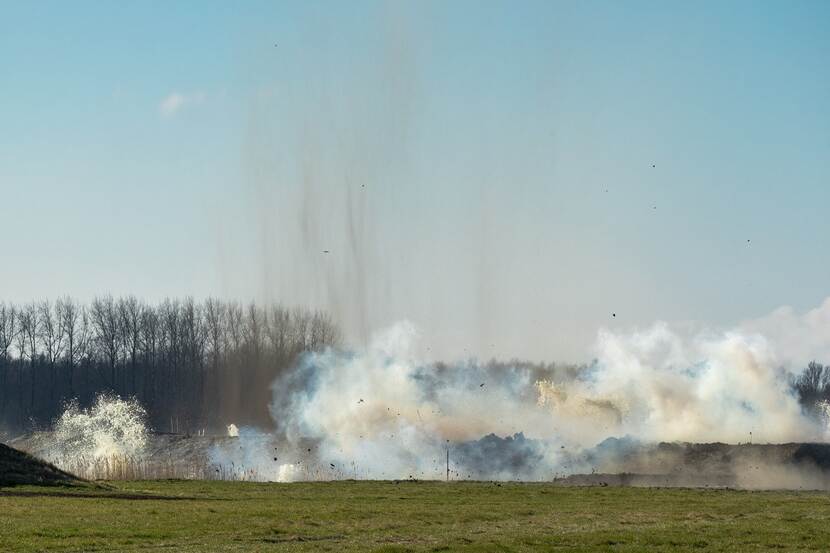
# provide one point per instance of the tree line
(812, 386)
(193, 365)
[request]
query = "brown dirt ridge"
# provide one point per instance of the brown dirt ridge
(19, 468)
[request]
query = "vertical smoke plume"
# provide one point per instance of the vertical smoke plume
(324, 182)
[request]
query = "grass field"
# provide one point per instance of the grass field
(407, 516)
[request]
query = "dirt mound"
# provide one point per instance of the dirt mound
(627, 479)
(19, 468)
(614, 456)
(621, 462)
(164, 456)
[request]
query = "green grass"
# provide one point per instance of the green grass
(407, 516)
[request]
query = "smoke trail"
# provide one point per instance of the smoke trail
(324, 178)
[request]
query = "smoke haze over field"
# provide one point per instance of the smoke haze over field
(501, 226)
(384, 412)
(503, 176)
(391, 414)
(451, 183)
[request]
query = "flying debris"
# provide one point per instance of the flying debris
(524, 398)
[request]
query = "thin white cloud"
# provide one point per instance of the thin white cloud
(799, 337)
(177, 101)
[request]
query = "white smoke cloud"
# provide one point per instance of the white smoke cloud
(382, 412)
(389, 414)
(701, 388)
(798, 338)
(176, 101)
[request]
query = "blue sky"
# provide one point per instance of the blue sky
(505, 175)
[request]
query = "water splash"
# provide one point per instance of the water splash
(110, 427)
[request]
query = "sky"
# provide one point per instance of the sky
(509, 177)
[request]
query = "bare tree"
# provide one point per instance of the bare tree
(171, 332)
(105, 322)
(235, 326)
(129, 316)
(813, 385)
(84, 346)
(253, 330)
(323, 332)
(8, 331)
(29, 325)
(233, 395)
(150, 343)
(198, 363)
(278, 330)
(216, 330)
(194, 339)
(301, 323)
(51, 337)
(70, 317)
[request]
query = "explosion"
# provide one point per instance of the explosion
(112, 426)
(380, 412)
